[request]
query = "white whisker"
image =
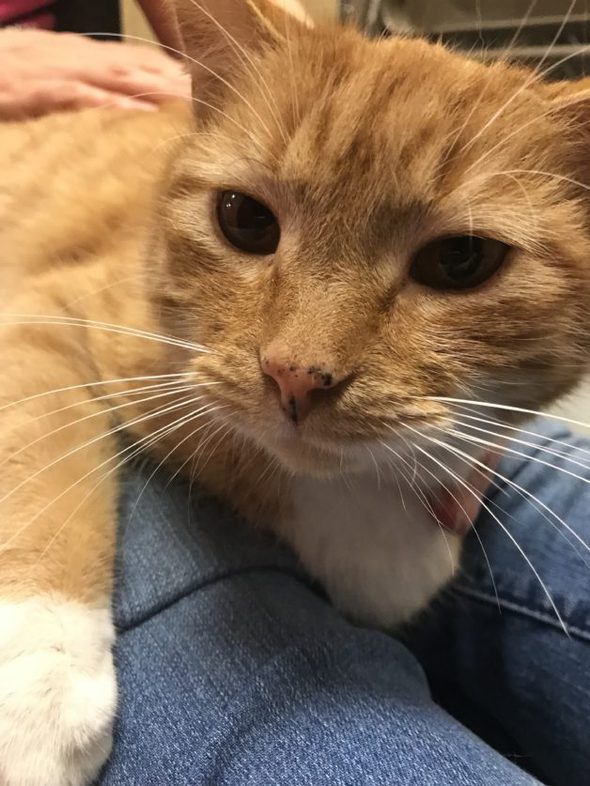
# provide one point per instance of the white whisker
(51, 319)
(115, 430)
(532, 78)
(425, 502)
(507, 408)
(521, 491)
(525, 442)
(101, 412)
(205, 409)
(486, 507)
(224, 430)
(521, 430)
(512, 451)
(198, 63)
(376, 465)
(96, 383)
(467, 518)
(213, 108)
(154, 413)
(164, 432)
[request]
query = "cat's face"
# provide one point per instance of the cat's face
(336, 311)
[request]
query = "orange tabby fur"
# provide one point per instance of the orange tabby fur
(365, 150)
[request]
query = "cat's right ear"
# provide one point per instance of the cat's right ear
(221, 36)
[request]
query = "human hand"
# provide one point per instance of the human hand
(42, 71)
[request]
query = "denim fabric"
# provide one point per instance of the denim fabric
(506, 655)
(235, 670)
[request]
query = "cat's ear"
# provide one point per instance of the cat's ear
(219, 36)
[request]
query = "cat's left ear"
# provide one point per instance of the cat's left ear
(220, 38)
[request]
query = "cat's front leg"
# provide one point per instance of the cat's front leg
(57, 514)
(377, 551)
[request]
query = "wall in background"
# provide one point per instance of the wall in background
(134, 22)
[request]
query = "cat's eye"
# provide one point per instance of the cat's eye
(458, 263)
(247, 224)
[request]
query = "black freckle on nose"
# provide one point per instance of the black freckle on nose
(327, 380)
(292, 410)
(292, 368)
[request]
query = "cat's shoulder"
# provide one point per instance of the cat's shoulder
(72, 183)
(64, 141)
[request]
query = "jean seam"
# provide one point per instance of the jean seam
(191, 589)
(519, 608)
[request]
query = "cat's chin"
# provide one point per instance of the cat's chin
(302, 457)
(302, 452)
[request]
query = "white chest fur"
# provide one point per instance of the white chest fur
(376, 548)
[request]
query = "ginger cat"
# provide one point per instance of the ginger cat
(279, 295)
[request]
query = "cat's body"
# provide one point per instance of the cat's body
(88, 265)
(297, 376)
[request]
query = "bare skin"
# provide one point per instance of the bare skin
(42, 71)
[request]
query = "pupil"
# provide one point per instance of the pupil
(253, 216)
(461, 257)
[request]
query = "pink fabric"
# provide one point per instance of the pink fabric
(13, 10)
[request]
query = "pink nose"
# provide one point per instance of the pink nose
(296, 383)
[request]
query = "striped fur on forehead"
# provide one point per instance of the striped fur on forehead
(372, 130)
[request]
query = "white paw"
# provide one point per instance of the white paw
(57, 691)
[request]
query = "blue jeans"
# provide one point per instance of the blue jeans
(235, 670)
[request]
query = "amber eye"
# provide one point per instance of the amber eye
(457, 263)
(247, 224)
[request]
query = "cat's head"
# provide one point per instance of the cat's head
(361, 227)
